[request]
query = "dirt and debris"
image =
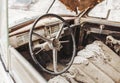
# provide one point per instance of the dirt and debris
(101, 63)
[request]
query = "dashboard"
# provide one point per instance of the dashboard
(20, 36)
(23, 38)
(49, 30)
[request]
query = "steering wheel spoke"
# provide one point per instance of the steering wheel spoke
(66, 41)
(43, 38)
(55, 60)
(38, 51)
(60, 31)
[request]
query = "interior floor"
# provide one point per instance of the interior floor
(96, 63)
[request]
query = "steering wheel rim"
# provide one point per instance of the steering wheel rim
(31, 44)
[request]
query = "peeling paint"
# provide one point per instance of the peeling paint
(73, 5)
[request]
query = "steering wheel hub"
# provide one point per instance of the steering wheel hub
(56, 44)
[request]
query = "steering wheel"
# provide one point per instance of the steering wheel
(54, 44)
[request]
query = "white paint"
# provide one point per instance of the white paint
(91, 50)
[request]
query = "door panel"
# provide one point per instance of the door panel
(22, 71)
(4, 32)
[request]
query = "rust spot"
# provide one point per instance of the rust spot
(81, 4)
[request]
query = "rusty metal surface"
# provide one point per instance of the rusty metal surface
(81, 4)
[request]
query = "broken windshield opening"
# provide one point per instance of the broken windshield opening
(20, 10)
(24, 10)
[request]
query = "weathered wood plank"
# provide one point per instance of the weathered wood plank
(114, 59)
(107, 69)
(95, 73)
(80, 75)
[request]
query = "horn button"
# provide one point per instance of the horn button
(56, 44)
